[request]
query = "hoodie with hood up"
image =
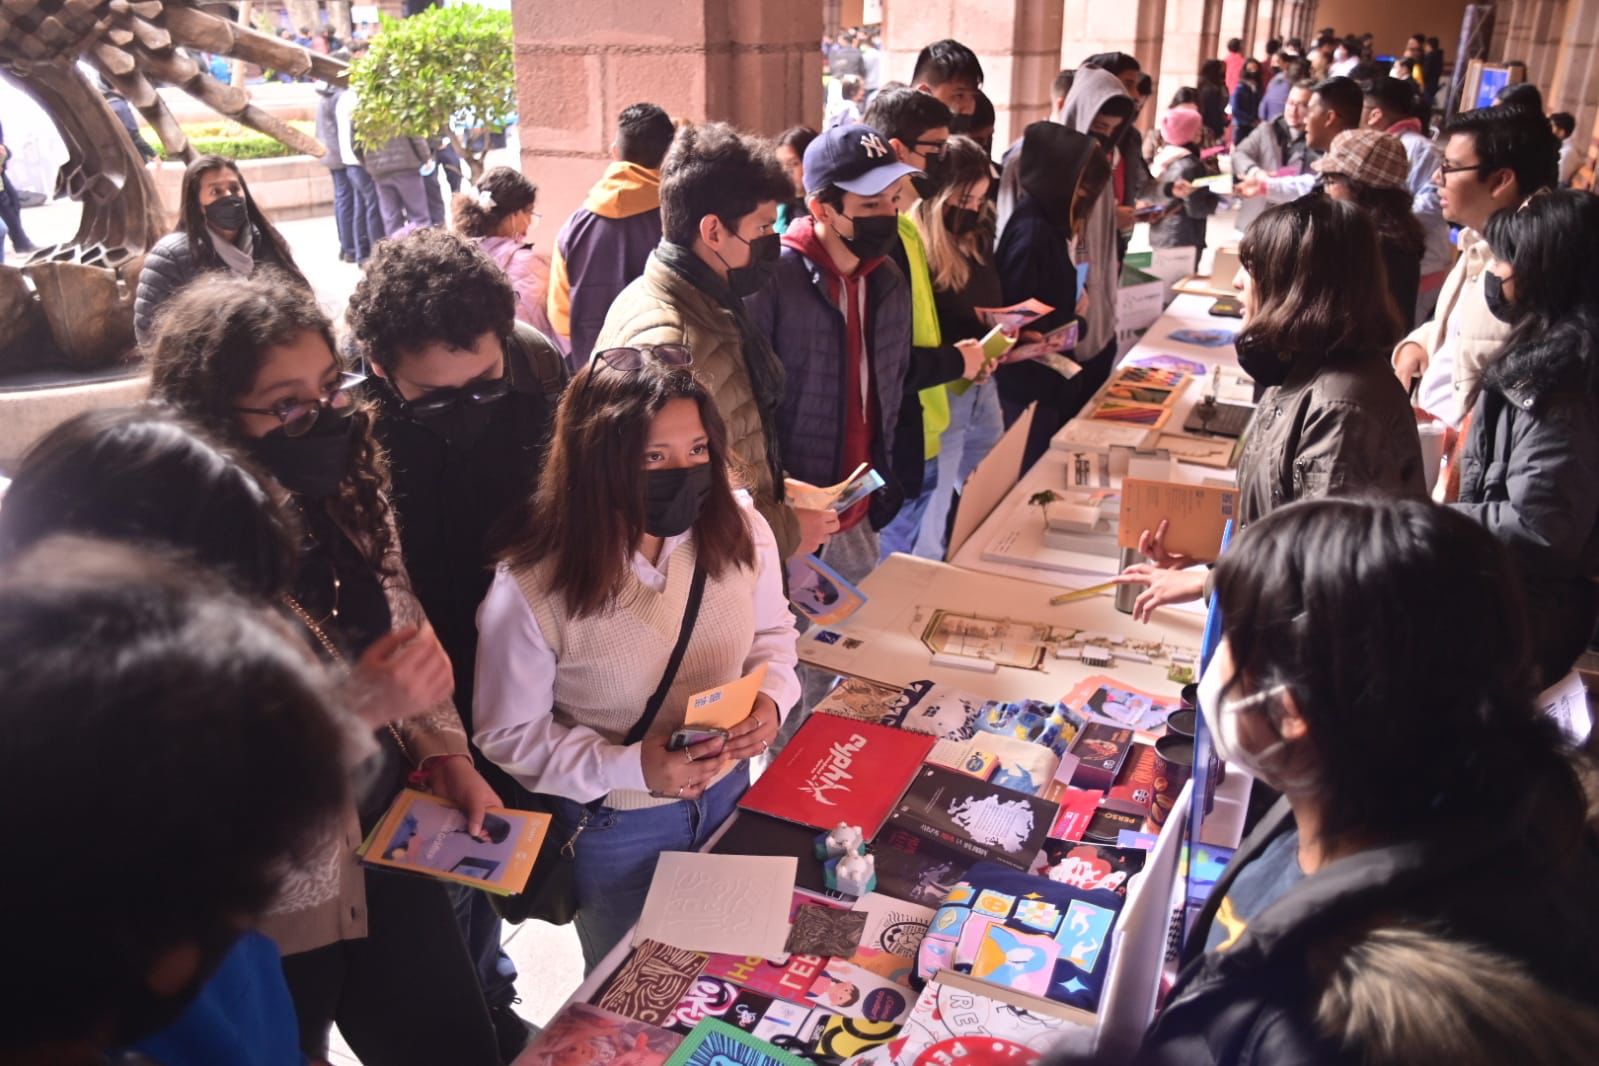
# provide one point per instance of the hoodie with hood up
(1091, 91)
(602, 247)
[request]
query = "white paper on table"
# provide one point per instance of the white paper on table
(724, 904)
(1566, 702)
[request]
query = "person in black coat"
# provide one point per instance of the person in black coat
(1424, 890)
(220, 227)
(1532, 443)
(1059, 174)
(465, 401)
(1178, 165)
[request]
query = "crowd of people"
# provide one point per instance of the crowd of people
(485, 535)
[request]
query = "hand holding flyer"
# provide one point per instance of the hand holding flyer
(861, 483)
(1015, 316)
(422, 834)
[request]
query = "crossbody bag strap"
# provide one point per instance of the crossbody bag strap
(691, 611)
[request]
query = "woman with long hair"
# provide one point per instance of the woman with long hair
(1245, 101)
(957, 228)
(638, 579)
(1531, 444)
(500, 218)
(253, 361)
(790, 151)
(1370, 169)
(1213, 98)
(1060, 174)
(220, 227)
(1332, 419)
(1432, 858)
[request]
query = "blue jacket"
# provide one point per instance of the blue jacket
(806, 329)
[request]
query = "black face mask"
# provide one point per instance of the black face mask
(673, 498)
(1260, 361)
(874, 235)
(228, 213)
(931, 180)
(1493, 292)
(752, 278)
(961, 220)
(314, 465)
(462, 425)
(960, 124)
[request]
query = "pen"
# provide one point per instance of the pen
(1082, 594)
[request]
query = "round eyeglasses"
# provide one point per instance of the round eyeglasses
(298, 416)
(631, 359)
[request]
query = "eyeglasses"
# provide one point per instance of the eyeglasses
(476, 393)
(629, 360)
(1444, 169)
(298, 416)
(931, 149)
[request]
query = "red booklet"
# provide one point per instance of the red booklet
(837, 770)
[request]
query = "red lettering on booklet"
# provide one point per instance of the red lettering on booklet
(976, 1051)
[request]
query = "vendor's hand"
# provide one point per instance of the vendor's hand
(1152, 546)
(1163, 587)
(1410, 362)
(1182, 188)
(455, 780)
(973, 359)
(815, 528)
(1251, 186)
(679, 774)
(404, 673)
(754, 734)
(1125, 216)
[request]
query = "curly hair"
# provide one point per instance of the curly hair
(210, 342)
(431, 287)
(508, 194)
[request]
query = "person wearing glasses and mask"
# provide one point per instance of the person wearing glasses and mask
(720, 191)
(639, 578)
(917, 127)
(1432, 859)
(220, 227)
(253, 361)
(464, 399)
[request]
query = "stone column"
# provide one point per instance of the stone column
(1574, 85)
(1137, 27)
(1185, 46)
(1547, 26)
(1018, 42)
(755, 63)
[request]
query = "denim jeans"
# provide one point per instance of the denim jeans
(975, 426)
(11, 216)
(344, 204)
(368, 214)
(900, 533)
(616, 855)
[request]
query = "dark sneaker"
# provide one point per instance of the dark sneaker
(510, 1030)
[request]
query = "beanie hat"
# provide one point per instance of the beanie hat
(1181, 125)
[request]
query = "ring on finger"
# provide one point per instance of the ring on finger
(757, 720)
(689, 755)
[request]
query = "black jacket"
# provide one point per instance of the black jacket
(168, 267)
(1527, 472)
(1034, 263)
(1184, 224)
(928, 367)
(1395, 953)
(448, 501)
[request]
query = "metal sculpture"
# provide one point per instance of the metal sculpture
(77, 298)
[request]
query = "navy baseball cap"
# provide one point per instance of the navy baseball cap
(854, 158)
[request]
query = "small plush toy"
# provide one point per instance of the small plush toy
(854, 874)
(844, 839)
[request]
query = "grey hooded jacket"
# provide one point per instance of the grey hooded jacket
(1091, 90)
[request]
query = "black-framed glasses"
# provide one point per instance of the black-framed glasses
(298, 416)
(931, 149)
(631, 359)
(1444, 169)
(477, 393)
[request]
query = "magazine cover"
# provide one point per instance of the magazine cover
(423, 834)
(788, 980)
(837, 770)
(980, 820)
(582, 1033)
(715, 1043)
(1111, 700)
(1089, 866)
(955, 1010)
(819, 593)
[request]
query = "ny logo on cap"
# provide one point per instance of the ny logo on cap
(874, 145)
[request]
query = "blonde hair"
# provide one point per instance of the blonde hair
(950, 257)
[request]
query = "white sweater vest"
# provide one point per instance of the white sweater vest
(608, 664)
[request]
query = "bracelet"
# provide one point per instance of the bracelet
(422, 776)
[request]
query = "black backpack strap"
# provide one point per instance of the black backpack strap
(539, 356)
(691, 610)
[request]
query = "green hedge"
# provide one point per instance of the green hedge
(238, 143)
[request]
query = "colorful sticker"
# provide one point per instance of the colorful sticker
(1083, 933)
(1023, 961)
(1038, 914)
(994, 903)
(948, 921)
(961, 893)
